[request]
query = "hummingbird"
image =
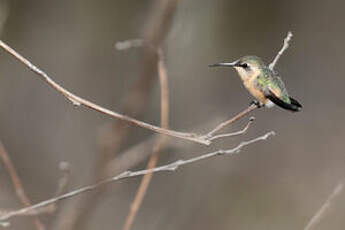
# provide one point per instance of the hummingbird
(263, 83)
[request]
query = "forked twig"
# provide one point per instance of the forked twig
(244, 130)
(209, 136)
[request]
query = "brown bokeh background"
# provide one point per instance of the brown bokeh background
(277, 184)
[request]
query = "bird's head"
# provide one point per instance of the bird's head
(246, 66)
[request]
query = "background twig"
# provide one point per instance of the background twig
(163, 79)
(17, 184)
(325, 207)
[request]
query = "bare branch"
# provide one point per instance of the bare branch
(325, 207)
(280, 53)
(128, 174)
(77, 101)
(17, 183)
(145, 182)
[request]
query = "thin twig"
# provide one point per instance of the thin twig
(282, 50)
(17, 183)
(210, 134)
(243, 131)
(325, 207)
(128, 174)
(163, 79)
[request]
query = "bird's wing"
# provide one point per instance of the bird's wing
(272, 96)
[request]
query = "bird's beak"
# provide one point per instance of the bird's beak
(231, 64)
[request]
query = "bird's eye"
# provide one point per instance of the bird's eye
(244, 65)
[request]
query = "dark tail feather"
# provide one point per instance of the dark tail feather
(294, 106)
(295, 102)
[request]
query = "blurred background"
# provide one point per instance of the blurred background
(277, 184)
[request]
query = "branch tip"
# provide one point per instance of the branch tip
(128, 44)
(282, 50)
(64, 166)
(5, 224)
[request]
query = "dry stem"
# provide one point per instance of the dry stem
(163, 79)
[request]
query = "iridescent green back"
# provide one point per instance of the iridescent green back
(271, 79)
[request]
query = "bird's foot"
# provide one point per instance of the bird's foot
(257, 103)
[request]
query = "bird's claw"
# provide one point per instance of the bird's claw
(257, 103)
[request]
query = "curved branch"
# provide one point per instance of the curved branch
(77, 101)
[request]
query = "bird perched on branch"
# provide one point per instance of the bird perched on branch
(263, 83)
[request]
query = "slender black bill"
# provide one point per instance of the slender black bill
(228, 64)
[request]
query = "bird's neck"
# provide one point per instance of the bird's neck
(248, 76)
